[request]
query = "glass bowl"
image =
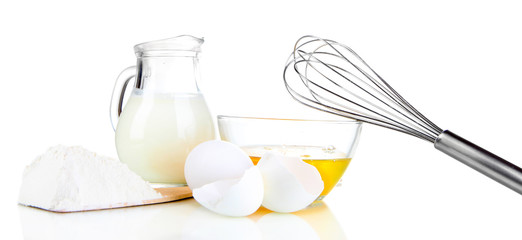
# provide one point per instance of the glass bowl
(328, 145)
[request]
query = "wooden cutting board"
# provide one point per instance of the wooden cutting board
(169, 195)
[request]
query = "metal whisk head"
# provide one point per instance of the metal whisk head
(332, 78)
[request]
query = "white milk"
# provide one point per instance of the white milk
(156, 132)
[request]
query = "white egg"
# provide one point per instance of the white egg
(290, 184)
(223, 179)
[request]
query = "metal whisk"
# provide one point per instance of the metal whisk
(331, 77)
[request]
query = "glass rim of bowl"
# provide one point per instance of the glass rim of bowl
(354, 121)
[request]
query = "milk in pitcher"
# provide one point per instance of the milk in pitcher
(156, 132)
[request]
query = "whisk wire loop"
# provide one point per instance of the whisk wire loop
(337, 80)
(319, 98)
(340, 71)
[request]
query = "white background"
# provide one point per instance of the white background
(458, 62)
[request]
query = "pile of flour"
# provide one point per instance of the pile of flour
(74, 179)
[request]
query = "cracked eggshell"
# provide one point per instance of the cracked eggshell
(233, 197)
(223, 179)
(290, 184)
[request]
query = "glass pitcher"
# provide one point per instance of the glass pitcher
(166, 115)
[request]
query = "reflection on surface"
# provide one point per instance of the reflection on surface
(285, 226)
(204, 224)
(184, 219)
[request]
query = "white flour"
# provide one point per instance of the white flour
(74, 178)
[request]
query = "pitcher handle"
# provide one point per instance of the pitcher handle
(119, 92)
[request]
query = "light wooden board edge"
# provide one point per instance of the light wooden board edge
(170, 194)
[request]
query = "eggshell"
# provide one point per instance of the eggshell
(213, 161)
(223, 179)
(233, 197)
(290, 184)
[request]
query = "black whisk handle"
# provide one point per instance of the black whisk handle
(481, 160)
